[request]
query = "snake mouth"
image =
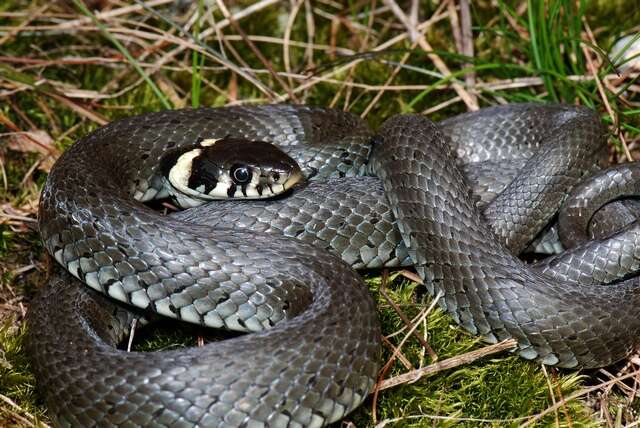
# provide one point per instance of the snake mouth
(293, 179)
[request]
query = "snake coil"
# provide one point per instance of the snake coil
(313, 353)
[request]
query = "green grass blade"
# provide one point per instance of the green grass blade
(103, 29)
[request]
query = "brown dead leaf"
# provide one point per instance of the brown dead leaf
(17, 219)
(37, 141)
(169, 89)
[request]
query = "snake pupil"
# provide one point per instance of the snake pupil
(240, 174)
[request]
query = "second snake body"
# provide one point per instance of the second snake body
(313, 357)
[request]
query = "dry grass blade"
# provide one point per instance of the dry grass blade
(404, 19)
(104, 16)
(16, 217)
(412, 326)
(28, 419)
(314, 80)
(132, 333)
(565, 410)
(437, 61)
(426, 311)
(134, 63)
(286, 53)
(241, 14)
(3, 171)
(603, 95)
(532, 420)
(551, 393)
(441, 105)
(393, 75)
(447, 364)
(467, 44)
(81, 110)
(311, 31)
(449, 419)
(404, 360)
(10, 34)
(204, 49)
(45, 87)
(255, 50)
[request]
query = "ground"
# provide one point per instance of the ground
(68, 67)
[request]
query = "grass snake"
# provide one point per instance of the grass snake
(398, 197)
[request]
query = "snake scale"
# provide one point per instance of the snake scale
(313, 353)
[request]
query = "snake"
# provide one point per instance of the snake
(458, 200)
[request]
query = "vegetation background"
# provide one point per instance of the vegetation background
(68, 66)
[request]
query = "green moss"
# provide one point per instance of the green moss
(17, 382)
(501, 388)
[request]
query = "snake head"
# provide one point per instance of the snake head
(228, 168)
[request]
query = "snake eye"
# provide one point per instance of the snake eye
(241, 174)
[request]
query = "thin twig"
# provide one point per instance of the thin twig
(405, 319)
(501, 422)
(404, 360)
(467, 45)
(551, 393)
(447, 364)
(30, 420)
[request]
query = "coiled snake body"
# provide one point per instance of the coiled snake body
(313, 356)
